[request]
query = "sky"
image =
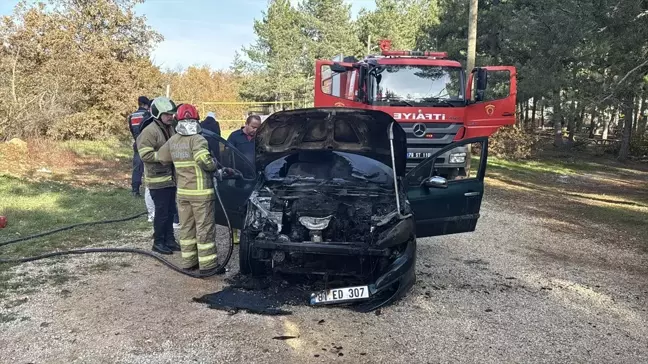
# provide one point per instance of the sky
(202, 32)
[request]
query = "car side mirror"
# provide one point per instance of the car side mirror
(436, 182)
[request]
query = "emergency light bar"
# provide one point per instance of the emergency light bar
(416, 54)
(385, 47)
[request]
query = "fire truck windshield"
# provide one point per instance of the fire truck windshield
(416, 85)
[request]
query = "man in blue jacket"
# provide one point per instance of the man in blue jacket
(243, 139)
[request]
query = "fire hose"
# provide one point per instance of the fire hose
(219, 269)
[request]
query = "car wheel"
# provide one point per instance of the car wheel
(247, 264)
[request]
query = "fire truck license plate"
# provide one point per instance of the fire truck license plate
(419, 155)
(340, 294)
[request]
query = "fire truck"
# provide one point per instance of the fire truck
(432, 98)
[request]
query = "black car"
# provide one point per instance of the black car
(328, 195)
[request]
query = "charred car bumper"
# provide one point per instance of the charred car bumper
(386, 284)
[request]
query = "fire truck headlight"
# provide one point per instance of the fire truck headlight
(457, 158)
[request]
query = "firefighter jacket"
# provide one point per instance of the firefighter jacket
(136, 119)
(153, 135)
(189, 153)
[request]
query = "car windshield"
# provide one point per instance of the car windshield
(330, 166)
(410, 85)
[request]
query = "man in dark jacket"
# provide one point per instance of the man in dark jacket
(211, 124)
(243, 139)
(134, 121)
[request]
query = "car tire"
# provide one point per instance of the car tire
(247, 264)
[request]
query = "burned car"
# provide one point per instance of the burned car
(328, 195)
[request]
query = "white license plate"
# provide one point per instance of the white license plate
(340, 294)
(419, 155)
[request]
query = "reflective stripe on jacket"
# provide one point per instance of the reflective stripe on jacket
(152, 137)
(136, 119)
(193, 165)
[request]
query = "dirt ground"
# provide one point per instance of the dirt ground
(523, 288)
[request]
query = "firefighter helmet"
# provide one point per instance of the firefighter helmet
(162, 105)
(187, 112)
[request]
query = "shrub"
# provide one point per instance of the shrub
(512, 143)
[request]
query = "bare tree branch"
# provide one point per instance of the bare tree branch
(13, 76)
(645, 63)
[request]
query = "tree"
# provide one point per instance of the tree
(276, 62)
(76, 67)
(202, 85)
(401, 21)
(329, 30)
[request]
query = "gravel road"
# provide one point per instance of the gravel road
(520, 289)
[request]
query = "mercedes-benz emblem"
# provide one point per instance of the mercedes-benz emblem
(419, 130)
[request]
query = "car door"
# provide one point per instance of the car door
(493, 92)
(234, 192)
(443, 207)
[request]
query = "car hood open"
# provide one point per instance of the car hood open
(363, 132)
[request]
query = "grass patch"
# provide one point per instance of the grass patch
(605, 198)
(226, 133)
(547, 166)
(103, 149)
(34, 207)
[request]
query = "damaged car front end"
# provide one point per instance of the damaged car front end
(326, 205)
(329, 198)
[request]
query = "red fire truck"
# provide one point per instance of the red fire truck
(427, 94)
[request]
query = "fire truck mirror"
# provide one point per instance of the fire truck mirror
(336, 67)
(481, 84)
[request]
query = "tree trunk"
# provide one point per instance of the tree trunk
(608, 122)
(592, 127)
(542, 115)
(557, 119)
(533, 113)
(642, 121)
(571, 124)
(637, 117)
(628, 114)
(526, 114)
(13, 77)
(472, 34)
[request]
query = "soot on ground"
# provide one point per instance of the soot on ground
(265, 295)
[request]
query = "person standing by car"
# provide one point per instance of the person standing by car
(210, 123)
(243, 139)
(189, 153)
(159, 178)
(134, 121)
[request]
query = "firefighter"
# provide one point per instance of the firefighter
(159, 178)
(189, 153)
(134, 121)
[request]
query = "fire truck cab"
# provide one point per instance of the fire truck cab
(429, 95)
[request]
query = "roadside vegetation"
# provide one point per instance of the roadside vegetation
(593, 195)
(48, 185)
